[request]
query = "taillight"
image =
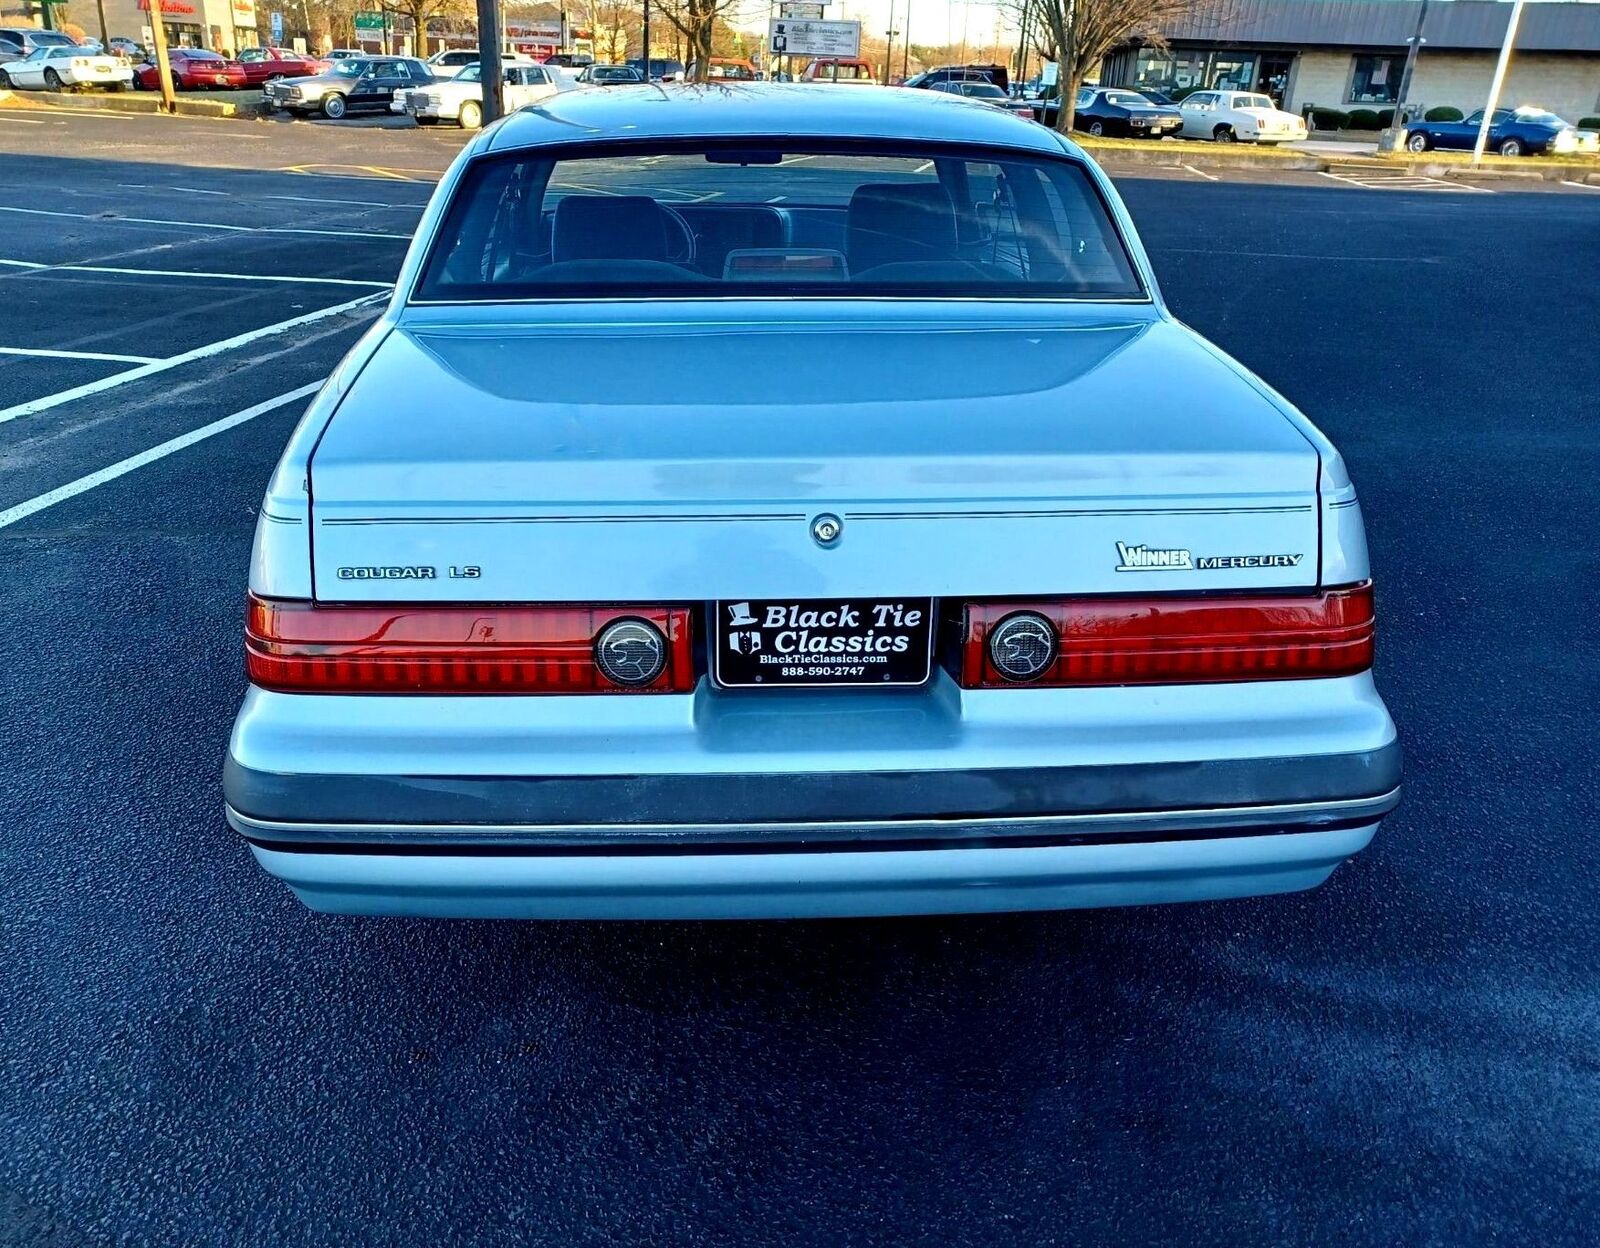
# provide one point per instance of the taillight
(299, 647)
(1167, 639)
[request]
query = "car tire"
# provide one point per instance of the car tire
(333, 106)
(1097, 129)
(5, 81)
(1224, 134)
(273, 78)
(471, 116)
(1511, 147)
(1418, 143)
(53, 80)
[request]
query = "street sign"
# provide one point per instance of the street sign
(840, 39)
(370, 21)
(802, 12)
(276, 21)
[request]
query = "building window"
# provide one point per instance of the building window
(1376, 80)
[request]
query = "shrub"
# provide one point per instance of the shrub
(1589, 123)
(1443, 113)
(1328, 119)
(1385, 118)
(1363, 119)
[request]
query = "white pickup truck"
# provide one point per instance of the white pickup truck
(460, 99)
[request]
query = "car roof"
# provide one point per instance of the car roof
(798, 110)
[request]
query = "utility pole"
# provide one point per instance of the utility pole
(1022, 41)
(158, 36)
(1499, 81)
(646, 40)
(905, 47)
(888, 50)
(105, 31)
(489, 73)
(1395, 136)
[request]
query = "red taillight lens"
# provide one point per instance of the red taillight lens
(302, 648)
(1177, 640)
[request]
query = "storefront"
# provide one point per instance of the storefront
(1346, 55)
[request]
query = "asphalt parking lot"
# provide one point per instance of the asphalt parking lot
(1409, 1055)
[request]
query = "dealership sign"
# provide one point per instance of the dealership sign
(840, 39)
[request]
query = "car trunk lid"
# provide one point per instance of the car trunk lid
(664, 461)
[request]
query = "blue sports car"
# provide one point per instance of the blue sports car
(1512, 132)
(785, 501)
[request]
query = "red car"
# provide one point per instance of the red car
(265, 64)
(192, 70)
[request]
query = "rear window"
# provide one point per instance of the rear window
(753, 218)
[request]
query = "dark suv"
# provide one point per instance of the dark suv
(995, 74)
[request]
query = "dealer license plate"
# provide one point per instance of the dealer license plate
(808, 642)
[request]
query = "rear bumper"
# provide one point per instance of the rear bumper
(834, 884)
(726, 805)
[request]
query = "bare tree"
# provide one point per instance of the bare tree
(697, 21)
(1081, 32)
(613, 26)
(421, 12)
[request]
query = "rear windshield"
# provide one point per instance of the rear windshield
(753, 218)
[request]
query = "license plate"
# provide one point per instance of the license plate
(777, 643)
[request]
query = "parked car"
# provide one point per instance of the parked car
(1238, 117)
(349, 85)
(1160, 98)
(460, 99)
(841, 70)
(1512, 132)
(609, 76)
(451, 61)
(17, 42)
(345, 54)
(997, 74)
(269, 64)
(904, 634)
(661, 69)
(128, 49)
(57, 68)
(724, 69)
(1118, 111)
(193, 69)
(985, 92)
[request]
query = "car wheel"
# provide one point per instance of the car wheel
(471, 115)
(5, 81)
(333, 106)
(1418, 143)
(1511, 147)
(1096, 128)
(52, 80)
(274, 77)
(1224, 134)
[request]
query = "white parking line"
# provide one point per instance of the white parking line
(196, 225)
(354, 203)
(223, 277)
(1199, 174)
(79, 355)
(21, 121)
(188, 357)
(1582, 186)
(1381, 180)
(134, 462)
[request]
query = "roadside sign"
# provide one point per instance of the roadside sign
(370, 21)
(787, 38)
(802, 12)
(276, 20)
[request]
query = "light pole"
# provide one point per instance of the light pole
(1499, 81)
(888, 51)
(489, 58)
(158, 36)
(1395, 135)
(646, 37)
